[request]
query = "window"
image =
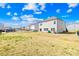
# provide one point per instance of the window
(40, 29)
(45, 29)
(53, 29)
(40, 24)
(54, 22)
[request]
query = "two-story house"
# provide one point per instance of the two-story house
(52, 24)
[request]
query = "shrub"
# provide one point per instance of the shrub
(49, 31)
(78, 33)
(66, 30)
(0, 32)
(35, 30)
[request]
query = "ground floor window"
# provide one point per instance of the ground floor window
(45, 29)
(53, 29)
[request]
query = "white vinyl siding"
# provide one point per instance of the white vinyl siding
(49, 25)
(53, 25)
(61, 27)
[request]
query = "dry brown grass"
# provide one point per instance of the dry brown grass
(38, 44)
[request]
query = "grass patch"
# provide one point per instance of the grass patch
(38, 43)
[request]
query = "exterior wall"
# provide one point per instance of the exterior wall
(49, 25)
(34, 27)
(61, 26)
(37, 27)
(53, 25)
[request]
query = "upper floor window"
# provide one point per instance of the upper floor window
(54, 22)
(40, 24)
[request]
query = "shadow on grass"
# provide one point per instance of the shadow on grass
(67, 33)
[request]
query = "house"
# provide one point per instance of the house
(1, 26)
(73, 27)
(5, 28)
(33, 27)
(52, 24)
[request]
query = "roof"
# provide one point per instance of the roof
(49, 19)
(52, 18)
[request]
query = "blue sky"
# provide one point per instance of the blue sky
(26, 13)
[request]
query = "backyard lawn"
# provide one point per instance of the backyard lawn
(38, 44)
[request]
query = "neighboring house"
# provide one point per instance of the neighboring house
(33, 27)
(52, 24)
(73, 27)
(4, 27)
(1, 26)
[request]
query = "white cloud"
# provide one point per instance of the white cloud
(65, 16)
(73, 22)
(58, 10)
(30, 6)
(73, 5)
(42, 6)
(8, 6)
(38, 12)
(41, 19)
(16, 25)
(35, 7)
(26, 17)
(15, 18)
(9, 13)
(15, 14)
(69, 10)
(77, 21)
(23, 22)
(30, 19)
(2, 5)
